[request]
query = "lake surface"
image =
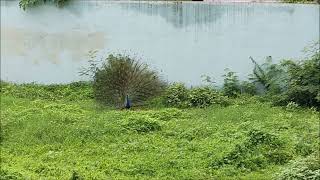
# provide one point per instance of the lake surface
(181, 40)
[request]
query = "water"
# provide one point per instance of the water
(181, 40)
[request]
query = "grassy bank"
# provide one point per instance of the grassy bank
(59, 132)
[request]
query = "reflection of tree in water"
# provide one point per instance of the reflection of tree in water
(182, 15)
(178, 14)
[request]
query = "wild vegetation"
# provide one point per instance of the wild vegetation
(71, 137)
(24, 4)
(301, 1)
(291, 81)
(261, 128)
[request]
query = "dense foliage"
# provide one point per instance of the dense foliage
(302, 169)
(268, 77)
(53, 92)
(259, 150)
(24, 4)
(120, 76)
(303, 85)
(52, 138)
(178, 95)
(231, 85)
(288, 82)
(301, 1)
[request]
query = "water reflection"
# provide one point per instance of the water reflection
(182, 15)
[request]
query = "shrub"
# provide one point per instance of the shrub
(300, 1)
(231, 85)
(201, 97)
(176, 95)
(268, 76)
(29, 3)
(260, 149)
(248, 88)
(122, 75)
(304, 147)
(302, 169)
(304, 82)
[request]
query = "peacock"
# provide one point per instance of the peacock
(127, 102)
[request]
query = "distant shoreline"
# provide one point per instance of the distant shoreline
(210, 1)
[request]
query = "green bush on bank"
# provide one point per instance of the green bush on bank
(291, 84)
(290, 81)
(178, 95)
(301, 1)
(259, 150)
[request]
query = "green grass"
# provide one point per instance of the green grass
(64, 138)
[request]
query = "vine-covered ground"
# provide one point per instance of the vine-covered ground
(71, 137)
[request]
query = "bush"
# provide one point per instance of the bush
(300, 1)
(268, 77)
(291, 81)
(248, 88)
(302, 169)
(122, 75)
(231, 85)
(202, 97)
(259, 150)
(304, 82)
(176, 95)
(24, 4)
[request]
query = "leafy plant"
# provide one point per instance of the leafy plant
(176, 95)
(248, 88)
(24, 4)
(302, 169)
(301, 1)
(202, 97)
(256, 152)
(231, 86)
(120, 76)
(268, 76)
(303, 82)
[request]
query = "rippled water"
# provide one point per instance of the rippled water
(182, 40)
